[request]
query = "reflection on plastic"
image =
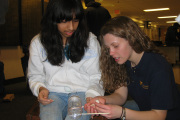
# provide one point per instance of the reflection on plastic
(74, 107)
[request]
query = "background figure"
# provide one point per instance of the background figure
(2, 79)
(172, 35)
(96, 16)
(64, 60)
(24, 59)
(24, 62)
(3, 10)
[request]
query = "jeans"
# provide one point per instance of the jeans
(57, 110)
(131, 104)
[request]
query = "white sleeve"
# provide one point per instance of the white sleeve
(36, 75)
(95, 87)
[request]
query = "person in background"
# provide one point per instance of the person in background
(24, 62)
(3, 10)
(172, 35)
(2, 80)
(64, 60)
(96, 16)
(131, 64)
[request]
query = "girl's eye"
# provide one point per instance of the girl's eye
(76, 20)
(116, 46)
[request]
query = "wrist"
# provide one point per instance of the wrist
(41, 88)
(88, 99)
(123, 114)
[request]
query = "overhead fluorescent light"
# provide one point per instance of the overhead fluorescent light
(167, 17)
(138, 21)
(142, 26)
(178, 19)
(158, 9)
(171, 21)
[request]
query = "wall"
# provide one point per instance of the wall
(22, 23)
(9, 31)
(152, 33)
(11, 57)
(31, 19)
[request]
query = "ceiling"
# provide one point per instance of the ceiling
(134, 9)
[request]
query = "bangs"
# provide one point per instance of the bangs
(68, 11)
(69, 15)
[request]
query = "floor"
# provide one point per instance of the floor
(20, 105)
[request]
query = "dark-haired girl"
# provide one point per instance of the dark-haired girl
(64, 60)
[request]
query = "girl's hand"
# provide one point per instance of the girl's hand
(90, 105)
(113, 110)
(43, 96)
(88, 99)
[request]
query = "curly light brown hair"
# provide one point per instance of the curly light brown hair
(115, 75)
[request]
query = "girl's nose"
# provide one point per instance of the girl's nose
(111, 52)
(71, 25)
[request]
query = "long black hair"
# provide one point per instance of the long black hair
(56, 12)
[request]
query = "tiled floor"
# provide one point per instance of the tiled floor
(176, 69)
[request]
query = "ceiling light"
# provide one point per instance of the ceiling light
(142, 26)
(138, 21)
(171, 21)
(167, 17)
(178, 19)
(158, 9)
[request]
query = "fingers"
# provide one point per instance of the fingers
(90, 102)
(90, 106)
(43, 97)
(46, 101)
(101, 108)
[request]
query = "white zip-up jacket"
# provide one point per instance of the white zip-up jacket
(83, 76)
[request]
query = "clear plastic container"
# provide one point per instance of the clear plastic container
(74, 107)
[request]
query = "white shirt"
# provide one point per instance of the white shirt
(83, 76)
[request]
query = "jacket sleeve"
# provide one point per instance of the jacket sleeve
(36, 75)
(95, 86)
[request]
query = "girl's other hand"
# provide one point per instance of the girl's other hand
(114, 111)
(43, 96)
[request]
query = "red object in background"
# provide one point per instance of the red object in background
(117, 11)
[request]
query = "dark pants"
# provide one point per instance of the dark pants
(2, 79)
